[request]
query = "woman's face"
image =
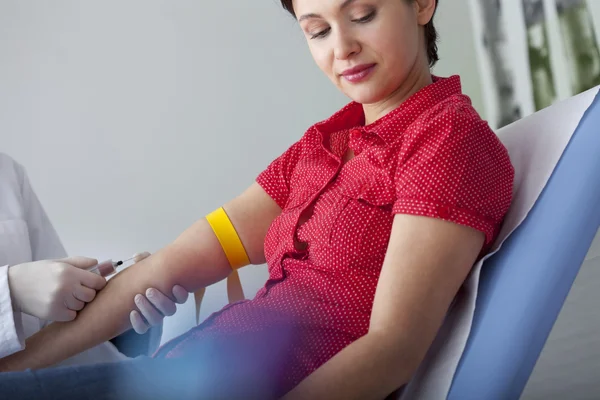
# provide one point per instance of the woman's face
(368, 48)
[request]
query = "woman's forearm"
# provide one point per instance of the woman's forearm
(370, 368)
(193, 261)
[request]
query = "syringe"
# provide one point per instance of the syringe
(107, 267)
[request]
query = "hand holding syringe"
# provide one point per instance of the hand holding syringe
(109, 267)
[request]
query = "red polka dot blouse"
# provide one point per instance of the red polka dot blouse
(432, 156)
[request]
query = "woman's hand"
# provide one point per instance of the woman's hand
(154, 305)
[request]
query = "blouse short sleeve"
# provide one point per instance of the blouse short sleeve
(452, 166)
(275, 180)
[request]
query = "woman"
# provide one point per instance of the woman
(38, 284)
(369, 225)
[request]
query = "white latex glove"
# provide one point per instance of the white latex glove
(54, 290)
(154, 306)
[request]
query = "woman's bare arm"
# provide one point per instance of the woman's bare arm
(426, 263)
(194, 260)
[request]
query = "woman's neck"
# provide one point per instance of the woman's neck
(415, 82)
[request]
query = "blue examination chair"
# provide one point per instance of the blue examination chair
(524, 285)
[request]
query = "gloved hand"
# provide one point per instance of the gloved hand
(154, 306)
(54, 290)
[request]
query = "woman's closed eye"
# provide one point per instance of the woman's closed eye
(367, 18)
(325, 31)
(320, 34)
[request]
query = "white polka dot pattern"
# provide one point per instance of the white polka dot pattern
(432, 156)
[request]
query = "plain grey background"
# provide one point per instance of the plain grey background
(135, 118)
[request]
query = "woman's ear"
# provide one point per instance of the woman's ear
(425, 10)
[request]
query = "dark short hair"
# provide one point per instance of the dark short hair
(431, 35)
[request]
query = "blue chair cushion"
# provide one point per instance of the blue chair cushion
(524, 285)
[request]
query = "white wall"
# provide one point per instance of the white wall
(135, 118)
(457, 48)
(595, 10)
(569, 366)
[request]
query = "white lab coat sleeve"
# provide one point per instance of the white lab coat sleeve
(44, 244)
(44, 241)
(12, 337)
(30, 227)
